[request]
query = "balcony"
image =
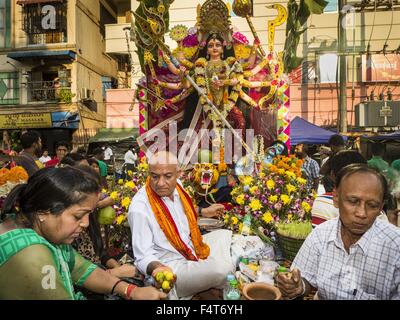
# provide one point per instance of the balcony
(49, 91)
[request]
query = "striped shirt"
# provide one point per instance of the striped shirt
(370, 271)
(311, 169)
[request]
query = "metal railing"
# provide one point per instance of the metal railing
(45, 91)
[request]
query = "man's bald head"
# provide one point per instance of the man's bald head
(164, 173)
(163, 158)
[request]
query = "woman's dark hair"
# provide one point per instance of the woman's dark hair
(49, 190)
(72, 159)
(227, 52)
(94, 226)
(360, 167)
(90, 170)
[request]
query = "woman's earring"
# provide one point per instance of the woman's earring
(208, 56)
(222, 55)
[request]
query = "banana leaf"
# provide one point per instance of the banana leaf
(298, 15)
(139, 11)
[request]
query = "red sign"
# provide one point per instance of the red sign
(379, 67)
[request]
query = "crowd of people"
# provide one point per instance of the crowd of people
(49, 227)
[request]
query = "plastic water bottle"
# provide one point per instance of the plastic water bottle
(246, 225)
(227, 286)
(233, 292)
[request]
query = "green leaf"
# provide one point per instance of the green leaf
(316, 6)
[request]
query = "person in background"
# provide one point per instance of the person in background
(94, 164)
(40, 221)
(61, 148)
(73, 159)
(108, 155)
(130, 158)
(90, 244)
(396, 165)
(98, 154)
(310, 166)
(336, 144)
(32, 146)
(45, 157)
(377, 162)
(354, 256)
(325, 153)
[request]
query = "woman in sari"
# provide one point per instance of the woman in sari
(40, 221)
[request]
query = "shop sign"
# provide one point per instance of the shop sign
(25, 120)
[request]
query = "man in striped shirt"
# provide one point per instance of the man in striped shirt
(310, 166)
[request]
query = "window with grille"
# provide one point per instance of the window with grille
(5, 23)
(45, 22)
(9, 88)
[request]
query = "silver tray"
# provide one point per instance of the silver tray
(210, 223)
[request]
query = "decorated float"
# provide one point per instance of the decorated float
(215, 80)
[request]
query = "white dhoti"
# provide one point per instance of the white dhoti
(197, 276)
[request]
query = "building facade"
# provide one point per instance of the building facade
(54, 69)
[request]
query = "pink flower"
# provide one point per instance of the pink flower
(240, 38)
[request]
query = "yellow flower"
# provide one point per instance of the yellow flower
(114, 195)
(290, 174)
(240, 199)
(120, 182)
(130, 173)
(301, 180)
(226, 218)
(262, 174)
(306, 207)
(247, 180)
(235, 221)
(103, 191)
(281, 171)
(143, 166)
(255, 205)
(267, 217)
(126, 202)
(273, 199)
(285, 199)
(130, 184)
(290, 188)
(290, 217)
(120, 219)
(270, 184)
(253, 190)
(240, 227)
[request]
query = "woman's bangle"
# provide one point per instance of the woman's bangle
(304, 288)
(115, 285)
(128, 291)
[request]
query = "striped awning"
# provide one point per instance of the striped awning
(24, 2)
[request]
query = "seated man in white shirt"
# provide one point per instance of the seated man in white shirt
(165, 234)
(352, 257)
